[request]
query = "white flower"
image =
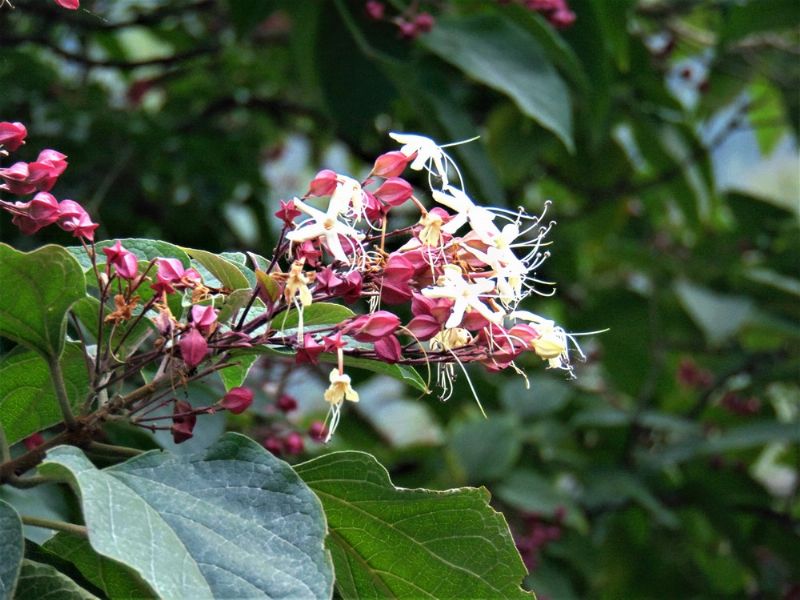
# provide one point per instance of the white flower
(551, 345)
(348, 193)
(324, 224)
(338, 391)
(480, 219)
(465, 295)
(428, 154)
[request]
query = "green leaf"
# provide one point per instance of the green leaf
(129, 333)
(505, 57)
(234, 521)
(38, 580)
(319, 313)
(530, 492)
(719, 316)
(46, 501)
(27, 399)
(390, 542)
(404, 373)
(114, 579)
(757, 16)
(735, 439)
(229, 274)
(12, 546)
(485, 448)
(144, 249)
(45, 283)
(235, 375)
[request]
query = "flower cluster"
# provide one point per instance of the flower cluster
(439, 289)
(39, 177)
(557, 12)
(452, 278)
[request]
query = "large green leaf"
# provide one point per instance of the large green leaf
(28, 401)
(231, 522)
(228, 273)
(504, 56)
(390, 542)
(11, 549)
(116, 580)
(38, 289)
(319, 313)
(39, 580)
(144, 249)
(125, 338)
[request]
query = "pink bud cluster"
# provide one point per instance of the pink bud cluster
(557, 12)
(39, 177)
(410, 23)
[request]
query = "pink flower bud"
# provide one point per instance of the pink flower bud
(237, 400)
(372, 327)
(69, 4)
(317, 431)
(273, 445)
(33, 441)
(204, 318)
(394, 191)
(374, 208)
(123, 260)
(388, 349)
(17, 179)
(333, 343)
(73, 217)
(375, 10)
(293, 443)
(309, 352)
(424, 327)
(286, 403)
(391, 164)
(407, 29)
(193, 348)
(12, 135)
(287, 212)
(309, 251)
(424, 22)
(31, 216)
(323, 184)
(171, 275)
(183, 421)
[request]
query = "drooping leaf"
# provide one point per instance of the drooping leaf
(390, 542)
(229, 274)
(503, 56)
(38, 289)
(484, 449)
(401, 421)
(39, 580)
(12, 547)
(27, 399)
(231, 522)
(116, 580)
(719, 316)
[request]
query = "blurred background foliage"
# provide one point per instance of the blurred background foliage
(665, 132)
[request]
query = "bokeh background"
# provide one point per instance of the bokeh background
(665, 134)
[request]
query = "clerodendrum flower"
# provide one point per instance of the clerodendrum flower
(452, 285)
(325, 225)
(338, 391)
